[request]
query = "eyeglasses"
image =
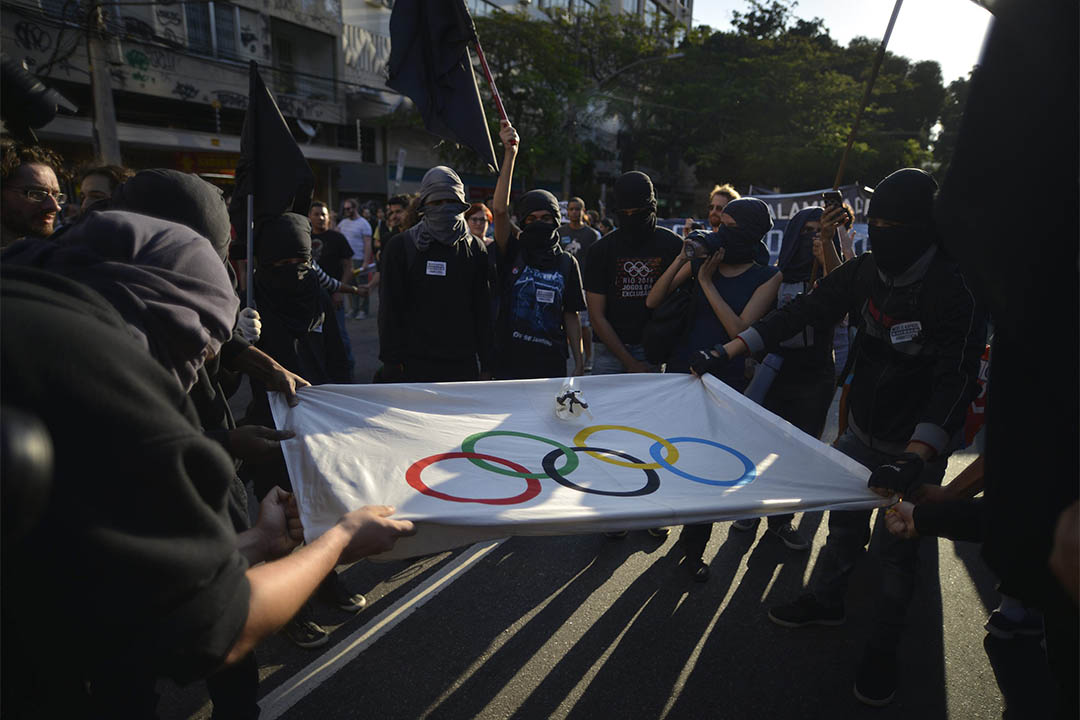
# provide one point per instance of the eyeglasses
(38, 195)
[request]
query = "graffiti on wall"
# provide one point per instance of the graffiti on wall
(364, 51)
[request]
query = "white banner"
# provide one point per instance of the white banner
(474, 461)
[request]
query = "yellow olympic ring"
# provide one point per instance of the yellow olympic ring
(672, 451)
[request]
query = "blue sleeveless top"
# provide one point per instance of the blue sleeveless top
(706, 330)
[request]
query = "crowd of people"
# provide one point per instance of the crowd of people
(125, 336)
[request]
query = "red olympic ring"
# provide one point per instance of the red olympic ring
(412, 476)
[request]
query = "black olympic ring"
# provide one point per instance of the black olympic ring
(652, 482)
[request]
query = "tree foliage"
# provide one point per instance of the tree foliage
(770, 102)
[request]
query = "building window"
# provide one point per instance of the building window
(304, 61)
(283, 60)
(198, 28)
(367, 144)
(630, 6)
(225, 30)
(211, 28)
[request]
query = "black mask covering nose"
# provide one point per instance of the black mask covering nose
(905, 197)
(635, 190)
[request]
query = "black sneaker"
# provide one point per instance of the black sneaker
(745, 524)
(1003, 627)
(875, 683)
(615, 534)
(699, 571)
(306, 633)
(660, 532)
(333, 591)
(806, 611)
(790, 537)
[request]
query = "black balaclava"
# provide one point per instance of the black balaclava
(180, 197)
(907, 197)
(635, 190)
(796, 259)
(745, 242)
(290, 291)
(540, 240)
(444, 223)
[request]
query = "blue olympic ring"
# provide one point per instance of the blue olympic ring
(749, 471)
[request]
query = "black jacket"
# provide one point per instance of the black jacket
(137, 509)
(916, 355)
(435, 305)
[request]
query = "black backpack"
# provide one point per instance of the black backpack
(668, 323)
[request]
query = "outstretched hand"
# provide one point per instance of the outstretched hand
(900, 520)
(279, 525)
(371, 531)
(255, 443)
(286, 381)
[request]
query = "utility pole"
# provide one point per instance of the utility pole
(106, 141)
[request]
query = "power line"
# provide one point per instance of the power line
(118, 31)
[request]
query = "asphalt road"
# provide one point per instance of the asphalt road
(589, 627)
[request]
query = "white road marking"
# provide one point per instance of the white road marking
(290, 692)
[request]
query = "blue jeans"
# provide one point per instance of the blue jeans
(339, 313)
(849, 534)
(606, 363)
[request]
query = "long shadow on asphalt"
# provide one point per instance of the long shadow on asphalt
(471, 697)
(632, 633)
(704, 658)
(1019, 665)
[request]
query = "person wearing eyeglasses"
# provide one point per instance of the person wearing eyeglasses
(31, 192)
(719, 197)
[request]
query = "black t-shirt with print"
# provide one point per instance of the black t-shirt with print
(531, 335)
(577, 242)
(330, 249)
(625, 272)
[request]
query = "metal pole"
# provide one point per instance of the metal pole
(866, 94)
(250, 250)
(491, 82)
(105, 136)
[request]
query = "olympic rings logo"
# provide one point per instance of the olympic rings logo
(663, 453)
(637, 268)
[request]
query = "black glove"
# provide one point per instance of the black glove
(902, 475)
(709, 361)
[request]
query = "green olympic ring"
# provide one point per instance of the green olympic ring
(469, 446)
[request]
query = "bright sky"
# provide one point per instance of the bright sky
(949, 31)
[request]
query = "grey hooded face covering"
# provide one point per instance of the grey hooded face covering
(168, 284)
(443, 223)
(178, 197)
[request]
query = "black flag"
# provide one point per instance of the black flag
(430, 63)
(271, 166)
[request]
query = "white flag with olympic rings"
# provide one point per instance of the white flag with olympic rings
(473, 461)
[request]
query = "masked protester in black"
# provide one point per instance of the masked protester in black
(294, 309)
(539, 290)
(803, 390)
(620, 270)
(191, 201)
(120, 281)
(435, 302)
(732, 288)
(729, 290)
(137, 509)
(915, 364)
